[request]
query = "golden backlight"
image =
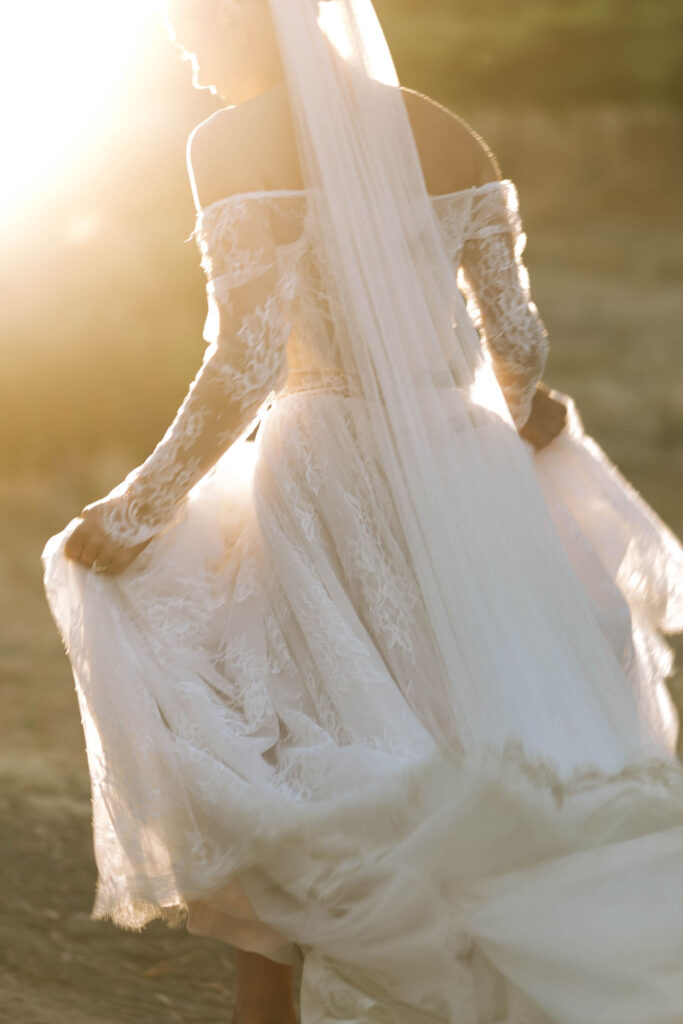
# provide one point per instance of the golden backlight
(64, 62)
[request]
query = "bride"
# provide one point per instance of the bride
(382, 691)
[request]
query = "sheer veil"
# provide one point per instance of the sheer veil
(511, 622)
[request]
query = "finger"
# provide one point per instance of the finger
(551, 434)
(74, 544)
(90, 552)
(116, 566)
(558, 424)
(542, 435)
(551, 423)
(554, 412)
(121, 561)
(85, 534)
(105, 555)
(531, 433)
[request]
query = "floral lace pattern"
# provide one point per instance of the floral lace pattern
(496, 284)
(263, 279)
(247, 331)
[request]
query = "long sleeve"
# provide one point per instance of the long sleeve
(247, 331)
(496, 285)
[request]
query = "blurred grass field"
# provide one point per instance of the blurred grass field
(101, 311)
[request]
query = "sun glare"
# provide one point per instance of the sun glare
(62, 66)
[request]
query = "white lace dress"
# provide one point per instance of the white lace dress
(263, 765)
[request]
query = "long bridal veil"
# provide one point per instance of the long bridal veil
(487, 844)
(512, 625)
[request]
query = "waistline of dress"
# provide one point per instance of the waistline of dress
(337, 381)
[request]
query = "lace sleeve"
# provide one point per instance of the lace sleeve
(496, 286)
(247, 330)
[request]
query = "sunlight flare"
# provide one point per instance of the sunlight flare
(63, 64)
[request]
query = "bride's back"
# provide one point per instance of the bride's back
(252, 147)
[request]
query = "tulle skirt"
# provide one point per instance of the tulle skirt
(267, 769)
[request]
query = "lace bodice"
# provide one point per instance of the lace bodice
(269, 320)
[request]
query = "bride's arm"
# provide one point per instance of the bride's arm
(496, 283)
(220, 406)
(499, 299)
(247, 328)
(455, 157)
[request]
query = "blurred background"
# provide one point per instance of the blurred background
(101, 311)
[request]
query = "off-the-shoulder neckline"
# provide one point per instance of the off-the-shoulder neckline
(274, 192)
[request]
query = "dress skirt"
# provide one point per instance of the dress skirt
(267, 769)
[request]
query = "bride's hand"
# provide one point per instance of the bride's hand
(547, 420)
(90, 545)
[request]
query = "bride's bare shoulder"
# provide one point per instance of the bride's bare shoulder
(453, 155)
(237, 149)
(224, 152)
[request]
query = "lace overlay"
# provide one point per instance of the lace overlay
(267, 314)
(499, 301)
(247, 329)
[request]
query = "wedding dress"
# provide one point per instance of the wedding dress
(268, 761)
